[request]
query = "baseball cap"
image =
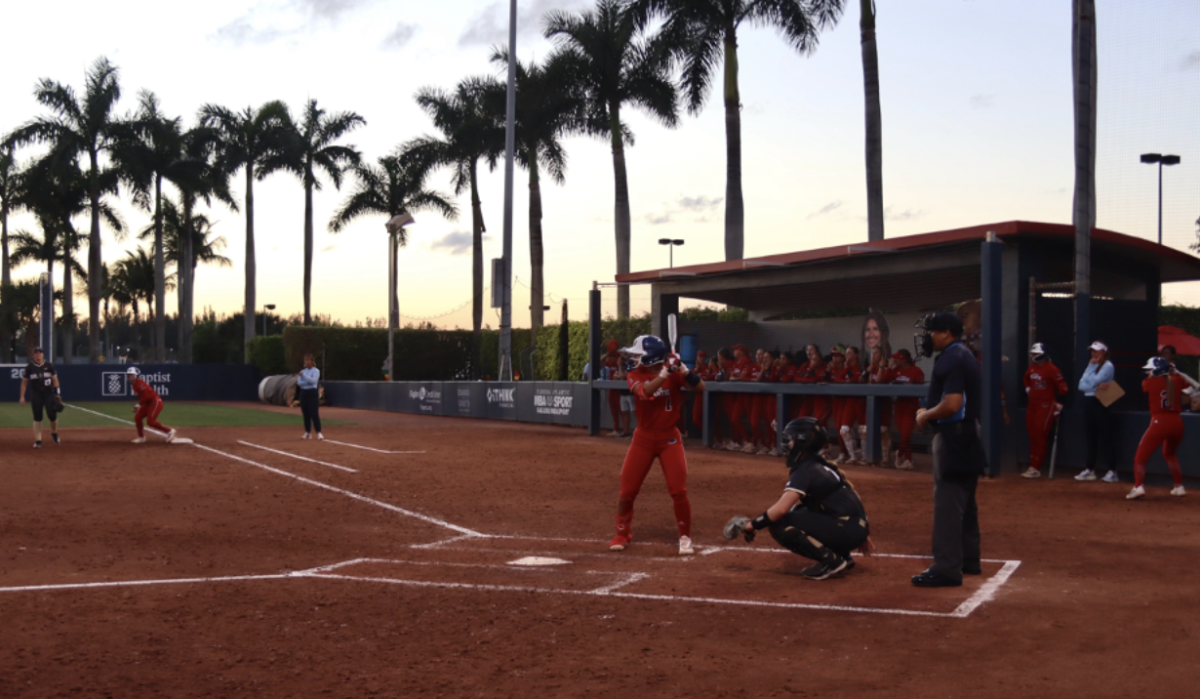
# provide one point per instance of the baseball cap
(946, 321)
(838, 349)
(898, 355)
(38, 349)
(1037, 350)
(1098, 346)
(740, 347)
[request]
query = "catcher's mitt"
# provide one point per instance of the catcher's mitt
(736, 526)
(58, 404)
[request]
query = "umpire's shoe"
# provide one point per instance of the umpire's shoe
(932, 578)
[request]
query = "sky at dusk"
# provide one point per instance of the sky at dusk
(977, 127)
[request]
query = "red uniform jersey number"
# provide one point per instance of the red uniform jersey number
(1163, 400)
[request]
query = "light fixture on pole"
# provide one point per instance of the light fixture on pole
(672, 242)
(1150, 159)
(394, 225)
(268, 307)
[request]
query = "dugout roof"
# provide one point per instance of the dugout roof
(926, 269)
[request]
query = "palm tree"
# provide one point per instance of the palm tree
(206, 247)
(133, 281)
(874, 116)
(312, 148)
(395, 187)
(251, 140)
(701, 32)
(10, 195)
(549, 106)
(82, 127)
(469, 132)
(19, 312)
(615, 65)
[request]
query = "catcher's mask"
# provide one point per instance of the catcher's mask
(804, 435)
(646, 350)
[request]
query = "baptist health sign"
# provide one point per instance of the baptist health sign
(115, 384)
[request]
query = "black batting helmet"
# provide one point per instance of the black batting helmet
(806, 435)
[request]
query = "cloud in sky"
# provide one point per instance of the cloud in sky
(490, 26)
(700, 207)
(891, 214)
(983, 101)
(400, 36)
(267, 21)
(828, 208)
(455, 243)
(1191, 61)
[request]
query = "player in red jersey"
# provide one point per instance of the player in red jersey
(854, 413)
(761, 405)
(1045, 385)
(905, 372)
(739, 406)
(880, 371)
(1165, 390)
(839, 373)
(148, 408)
(610, 368)
(814, 371)
(656, 384)
(704, 372)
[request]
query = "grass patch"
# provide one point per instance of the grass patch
(180, 414)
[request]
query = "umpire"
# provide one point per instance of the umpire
(308, 385)
(958, 458)
(40, 377)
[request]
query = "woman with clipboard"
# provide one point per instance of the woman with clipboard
(1099, 393)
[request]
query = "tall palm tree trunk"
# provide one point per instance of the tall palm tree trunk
(68, 315)
(251, 304)
(160, 277)
(735, 211)
(308, 252)
(874, 116)
(476, 275)
(95, 264)
(5, 274)
(537, 257)
(622, 222)
(184, 269)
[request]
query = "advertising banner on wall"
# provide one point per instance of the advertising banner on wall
(550, 402)
(501, 401)
(100, 382)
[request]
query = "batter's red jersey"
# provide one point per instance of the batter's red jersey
(1156, 388)
(1044, 383)
(658, 412)
(144, 392)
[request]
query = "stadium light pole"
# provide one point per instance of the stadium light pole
(267, 307)
(1150, 159)
(505, 282)
(394, 225)
(672, 242)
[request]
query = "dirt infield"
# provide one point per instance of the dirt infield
(232, 568)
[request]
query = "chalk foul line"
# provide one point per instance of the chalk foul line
(297, 456)
(379, 451)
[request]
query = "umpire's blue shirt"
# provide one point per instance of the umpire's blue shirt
(956, 371)
(308, 378)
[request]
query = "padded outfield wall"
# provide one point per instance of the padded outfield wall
(107, 382)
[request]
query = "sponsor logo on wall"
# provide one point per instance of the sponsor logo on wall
(115, 383)
(464, 401)
(428, 401)
(502, 397)
(553, 401)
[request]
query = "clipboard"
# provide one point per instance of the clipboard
(1110, 395)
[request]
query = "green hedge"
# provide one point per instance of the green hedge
(623, 331)
(267, 354)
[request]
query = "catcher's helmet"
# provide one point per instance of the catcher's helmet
(132, 372)
(806, 436)
(1157, 366)
(646, 350)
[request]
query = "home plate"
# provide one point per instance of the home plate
(180, 440)
(538, 561)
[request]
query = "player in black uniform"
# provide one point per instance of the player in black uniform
(44, 392)
(819, 516)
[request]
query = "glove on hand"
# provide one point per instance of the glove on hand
(58, 404)
(736, 526)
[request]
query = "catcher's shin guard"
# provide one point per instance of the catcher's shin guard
(798, 542)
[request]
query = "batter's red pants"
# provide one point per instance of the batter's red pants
(1039, 423)
(906, 421)
(149, 413)
(1165, 429)
(668, 449)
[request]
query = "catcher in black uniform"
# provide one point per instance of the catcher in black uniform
(819, 516)
(44, 392)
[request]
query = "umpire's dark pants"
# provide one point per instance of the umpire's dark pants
(310, 405)
(955, 516)
(1099, 428)
(809, 533)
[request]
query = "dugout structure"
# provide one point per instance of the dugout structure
(993, 265)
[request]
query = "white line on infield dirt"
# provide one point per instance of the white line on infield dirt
(347, 493)
(297, 456)
(110, 417)
(987, 591)
(132, 583)
(381, 451)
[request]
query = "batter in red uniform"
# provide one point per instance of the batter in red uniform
(1165, 391)
(656, 383)
(1045, 386)
(148, 408)
(905, 372)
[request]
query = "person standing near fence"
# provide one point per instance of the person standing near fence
(855, 411)
(909, 374)
(1046, 387)
(880, 371)
(40, 377)
(1099, 425)
(310, 397)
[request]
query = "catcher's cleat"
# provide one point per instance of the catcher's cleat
(685, 546)
(140, 440)
(618, 543)
(826, 569)
(37, 444)
(171, 436)
(54, 436)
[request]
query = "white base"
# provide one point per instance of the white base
(180, 440)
